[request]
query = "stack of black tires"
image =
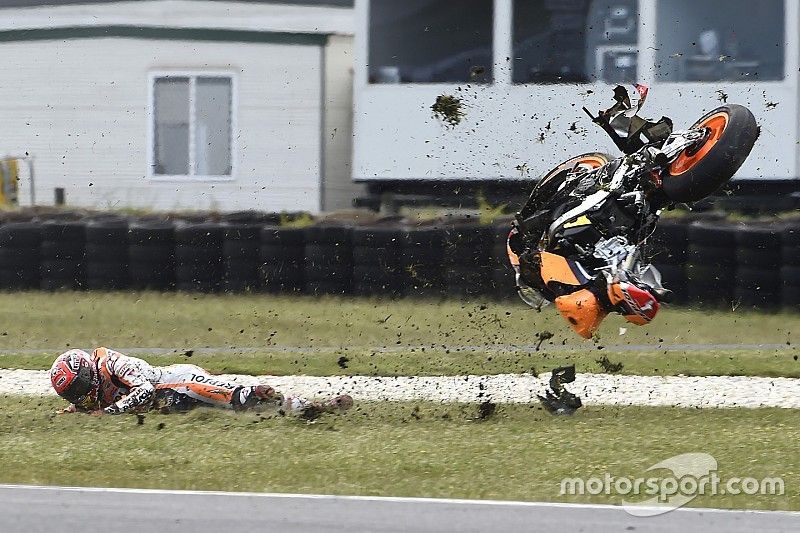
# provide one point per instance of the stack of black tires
(107, 254)
(711, 263)
(282, 257)
(63, 255)
(790, 269)
(378, 261)
(198, 256)
(503, 279)
(151, 255)
(468, 260)
(20, 255)
(668, 247)
(329, 259)
(241, 257)
(422, 261)
(758, 259)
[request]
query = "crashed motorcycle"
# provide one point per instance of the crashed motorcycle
(581, 239)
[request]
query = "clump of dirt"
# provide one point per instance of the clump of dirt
(486, 409)
(543, 336)
(608, 366)
(449, 109)
(342, 362)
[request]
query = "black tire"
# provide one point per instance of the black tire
(378, 237)
(61, 269)
(19, 258)
(106, 252)
(770, 258)
(790, 276)
(717, 234)
(246, 270)
(790, 296)
(198, 254)
(200, 235)
(732, 143)
(279, 253)
(20, 234)
(63, 250)
(388, 258)
(197, 286)
(324, 256)
(241, 250)
(283, 236)
(791, 255)
(668, 243)
(327, 287)
(756, 279)
(766, 237)
(107, 232)
(63, 231)
(107, 270)
(721, 257)
(329, 235)
(152, 253)
(790, 236)
(151, 233)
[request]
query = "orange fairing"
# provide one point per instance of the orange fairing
(582, 310)
(556, 268)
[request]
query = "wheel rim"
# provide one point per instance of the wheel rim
(715, 124)
(592, 161)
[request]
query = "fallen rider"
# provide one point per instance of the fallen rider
(110, 382)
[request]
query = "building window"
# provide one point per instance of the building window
(720, 40)
(575, 41)
(430, 41)
(191, 125)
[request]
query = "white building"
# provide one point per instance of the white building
(524, 69)
(180, 104)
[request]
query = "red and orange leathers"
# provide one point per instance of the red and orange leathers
(130, 384)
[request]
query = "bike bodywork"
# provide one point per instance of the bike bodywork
(581, 238)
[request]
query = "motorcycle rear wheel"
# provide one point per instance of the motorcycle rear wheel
(701, 170)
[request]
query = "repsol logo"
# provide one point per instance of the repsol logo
(207, 380)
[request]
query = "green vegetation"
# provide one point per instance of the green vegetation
(260, 334)
(402, 449)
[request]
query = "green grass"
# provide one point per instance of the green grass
(396, 449)
(286, 335)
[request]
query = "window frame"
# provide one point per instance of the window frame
(192, 75)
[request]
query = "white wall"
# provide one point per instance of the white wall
(80, 107)
(338, 187)
(509, 126)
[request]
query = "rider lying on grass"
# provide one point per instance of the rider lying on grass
(109, 382)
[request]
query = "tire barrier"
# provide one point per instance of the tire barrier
(63, 251)
(468, 256)
(422, 261)
(151, 255)
(378, 261)
(328, 259)
(758, 260)
(107, 254)
(668, 246)
(790, 269)
(711, 263)
(20, 255)
(241, 256)
(282, 253)
(198, 256)
(705, 262)
(503, 280)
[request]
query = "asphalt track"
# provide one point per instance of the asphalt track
(66, 510)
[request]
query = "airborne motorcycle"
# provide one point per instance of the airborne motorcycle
(580, 240)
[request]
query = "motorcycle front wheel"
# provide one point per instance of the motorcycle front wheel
(731, 132)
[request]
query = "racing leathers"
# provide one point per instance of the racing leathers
(125, 384)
